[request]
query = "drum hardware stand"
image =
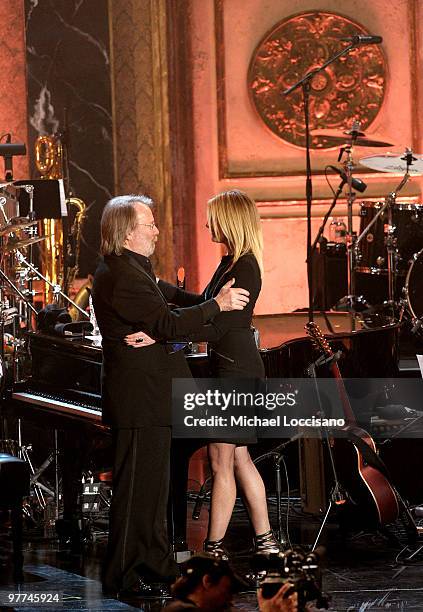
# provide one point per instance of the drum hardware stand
(350, 299)
(3, 202)
(390, 233)
(17, 291)
(40, 488)
(390, 238)
(17, 342)
(31, 215)
(351, 195)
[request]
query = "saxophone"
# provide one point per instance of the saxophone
(74, 242)
(49, 157)
(49, 160)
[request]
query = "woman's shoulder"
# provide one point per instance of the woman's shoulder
(246, 261)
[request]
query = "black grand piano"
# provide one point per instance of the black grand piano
(65, 373)
(62, 391)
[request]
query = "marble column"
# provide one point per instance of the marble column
(69, 91)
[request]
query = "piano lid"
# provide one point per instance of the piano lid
(278, 329)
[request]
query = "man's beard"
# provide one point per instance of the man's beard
(151, 249)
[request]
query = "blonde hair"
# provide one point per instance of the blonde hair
(233, 219)
(119, 218)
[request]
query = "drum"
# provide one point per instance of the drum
(413, 290)
(407, 220)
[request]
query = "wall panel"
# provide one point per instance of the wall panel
(234, 147)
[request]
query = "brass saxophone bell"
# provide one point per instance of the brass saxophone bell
(49, 157)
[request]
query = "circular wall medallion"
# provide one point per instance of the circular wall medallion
(353, 87)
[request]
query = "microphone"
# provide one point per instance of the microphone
(359, 39)
(356, 183)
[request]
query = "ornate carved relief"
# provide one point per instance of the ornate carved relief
(353, 87)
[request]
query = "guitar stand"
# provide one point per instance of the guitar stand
(337, 497)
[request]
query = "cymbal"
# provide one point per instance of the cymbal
(393, 162)
(333, 140)
(20, 244)
(334, 132)
(18, 223)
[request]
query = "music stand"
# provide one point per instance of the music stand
(8, 151)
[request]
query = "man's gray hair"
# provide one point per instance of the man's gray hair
(130, 200)
(118, 220)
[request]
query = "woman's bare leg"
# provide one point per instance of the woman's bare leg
(253, 490)
(223, 491)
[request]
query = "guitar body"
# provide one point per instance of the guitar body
(371, 499)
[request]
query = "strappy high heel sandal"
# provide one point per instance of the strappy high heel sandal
(215, 547)
(266, 543)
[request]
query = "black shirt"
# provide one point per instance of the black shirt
(143, 261)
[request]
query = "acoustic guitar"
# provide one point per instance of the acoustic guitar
(369, 493)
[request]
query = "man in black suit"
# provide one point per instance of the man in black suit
(136, 391)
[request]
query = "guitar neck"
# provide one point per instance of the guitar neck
(346, 406)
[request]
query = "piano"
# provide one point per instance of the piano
(63, 390)
(65, 372)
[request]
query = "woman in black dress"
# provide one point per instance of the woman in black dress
(233, 220)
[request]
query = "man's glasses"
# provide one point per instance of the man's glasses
(150, 225)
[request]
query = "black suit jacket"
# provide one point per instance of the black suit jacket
(137, 383)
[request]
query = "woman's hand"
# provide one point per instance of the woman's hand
(138, 340)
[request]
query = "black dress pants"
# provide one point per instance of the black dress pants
(138, 544)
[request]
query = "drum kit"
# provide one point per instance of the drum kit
(389, 244)
(17, 233)
(19, 271)
(22, 293)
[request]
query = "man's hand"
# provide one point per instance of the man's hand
(232, 299)
(138, 340)
(279, 603)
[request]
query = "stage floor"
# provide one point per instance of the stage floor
(360, 573)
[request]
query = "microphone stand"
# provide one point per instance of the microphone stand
(55, 288)
(327, 215)
(278, 457)
(305, 84)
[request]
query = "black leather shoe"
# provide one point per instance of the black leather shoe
(146, 590)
